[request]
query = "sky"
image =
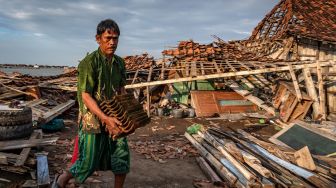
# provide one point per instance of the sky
(62, 32)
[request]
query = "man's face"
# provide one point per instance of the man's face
(108, 42)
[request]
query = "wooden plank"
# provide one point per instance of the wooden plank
(187, 71)
(311, 92)
(322, 94)
(216, 66)
(209, 172)
(202, 68)
(25, 151)
(289, 111)
(246, 94)
(150, 74)
(304, 159)
(309, 176)
(246, 173)
(222, 170)
(35, 102)
(163, 67)
(18, 144)
(10, 94)
(295, 83)
(148, 101)
(244, 80)
(43, 178)
(56, 111)
(228, 74)
(135, 76)
(193, 69)
(3, 160)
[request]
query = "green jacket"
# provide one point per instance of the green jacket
(101, 79)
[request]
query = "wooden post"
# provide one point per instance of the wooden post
(295, 83)
(322, 95)
(311, 91)
(148, 102)
(135, 76)
(163, 67)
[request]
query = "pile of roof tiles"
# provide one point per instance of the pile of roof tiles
(143, 61)
(219, 50)
(313, 19)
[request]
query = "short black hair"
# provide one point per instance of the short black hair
(107, 24)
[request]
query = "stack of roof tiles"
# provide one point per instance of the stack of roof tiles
(143, 61)
(192, 51)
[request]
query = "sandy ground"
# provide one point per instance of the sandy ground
(147, 170)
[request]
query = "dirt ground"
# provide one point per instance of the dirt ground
(161, 157)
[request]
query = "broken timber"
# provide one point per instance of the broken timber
(17, 144)
(234, 86)
(231, 74)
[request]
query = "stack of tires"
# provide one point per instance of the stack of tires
(15, 123)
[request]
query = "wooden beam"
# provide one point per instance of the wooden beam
(35, 102)
(56, 111)
(311, 92)
(246, 173)
(18, 144)
(322, 94)
(148, 101)
(163, 67)
(247, 95)
(229, 74)
(135, 76)
(216, 66)
(222, 170)
(25, 151)
(202, 68)
(244, 80)
(295, 83)
(211, 174)
(304, 159)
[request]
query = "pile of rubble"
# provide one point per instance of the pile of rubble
(241, 160)
(143, 61)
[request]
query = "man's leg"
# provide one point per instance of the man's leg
(120, 161)
(119, 180)
(64, 178)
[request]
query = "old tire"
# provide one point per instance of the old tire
(16, 131)
(15, 117)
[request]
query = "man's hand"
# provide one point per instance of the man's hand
(111, 124)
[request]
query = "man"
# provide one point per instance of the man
(101, 75)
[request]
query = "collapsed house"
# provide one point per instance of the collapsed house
(285, 69)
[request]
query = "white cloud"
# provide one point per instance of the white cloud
(39, 34)
(68, 27)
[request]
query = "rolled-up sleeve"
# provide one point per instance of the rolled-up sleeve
(86, 77)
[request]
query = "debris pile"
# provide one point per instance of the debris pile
(242, 160)
(161, 150)
(143, 61)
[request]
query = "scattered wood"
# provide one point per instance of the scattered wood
(304, 159)
(18, 144)
(43, 178)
